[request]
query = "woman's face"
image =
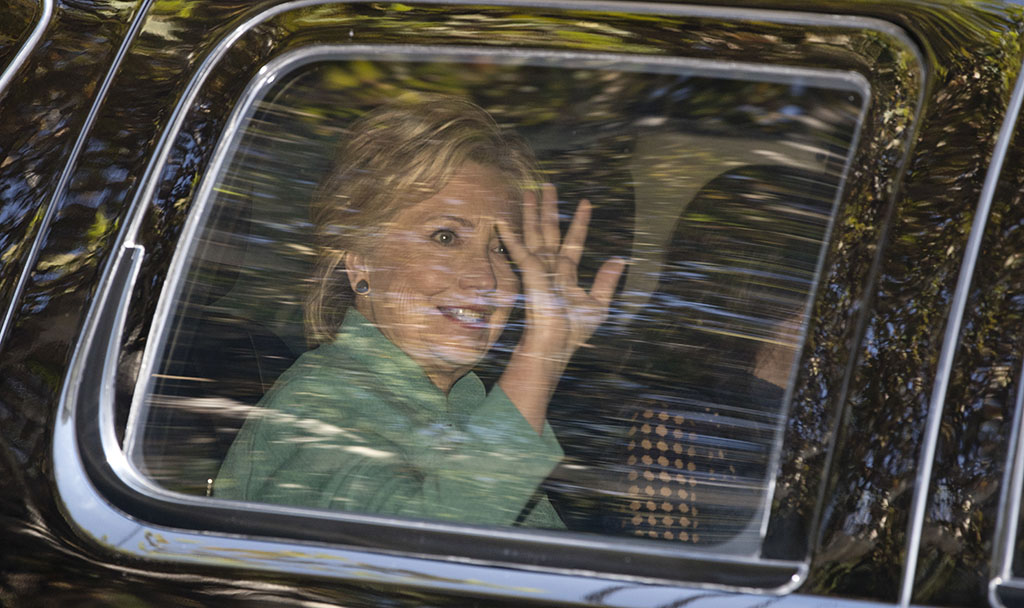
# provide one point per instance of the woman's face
(440, 284)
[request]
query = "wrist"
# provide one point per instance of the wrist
(541, 356)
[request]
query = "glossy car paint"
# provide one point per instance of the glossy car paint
(79, 128)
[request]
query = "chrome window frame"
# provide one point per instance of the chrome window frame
(284, 64)
(27, 45)
(88, 509)
(1003, 580)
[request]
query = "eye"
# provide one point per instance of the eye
(499, 248)
(444, 236)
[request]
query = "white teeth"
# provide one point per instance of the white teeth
(466, 315)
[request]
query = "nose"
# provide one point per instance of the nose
(478, 274)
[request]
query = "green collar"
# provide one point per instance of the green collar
(396, 371)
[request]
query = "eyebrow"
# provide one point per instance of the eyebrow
(454, 218)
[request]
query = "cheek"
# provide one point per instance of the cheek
(508, 283)
(419, 276)
(430, 277)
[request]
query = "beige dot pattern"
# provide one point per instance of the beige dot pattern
(670, 469)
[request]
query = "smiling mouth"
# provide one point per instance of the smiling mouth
(475, 318)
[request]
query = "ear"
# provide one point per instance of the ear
(355, 268)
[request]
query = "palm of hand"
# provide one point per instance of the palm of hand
(560, 315)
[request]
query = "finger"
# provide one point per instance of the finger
(565, 270)
(550, 230)
(572, 246)
(607, 278)
(516, 250)
(531, 235)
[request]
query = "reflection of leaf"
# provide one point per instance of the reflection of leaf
(337, 78)
(57, 261)
(366, 71)
(99, 228)
(220, 189)
(303, 249)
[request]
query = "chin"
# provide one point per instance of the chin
(462, 357)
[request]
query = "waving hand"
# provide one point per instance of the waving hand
(560, 315)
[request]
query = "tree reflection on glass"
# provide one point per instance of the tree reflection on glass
(720, 193)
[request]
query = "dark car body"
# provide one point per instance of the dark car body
(901, 469)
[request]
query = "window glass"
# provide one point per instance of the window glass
(385, 311)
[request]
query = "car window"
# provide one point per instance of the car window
(711, 196)
(737, 200)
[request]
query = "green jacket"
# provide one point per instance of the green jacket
(356, 425)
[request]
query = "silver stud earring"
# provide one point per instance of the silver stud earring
(362, 287)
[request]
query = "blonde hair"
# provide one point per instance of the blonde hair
(392, 157)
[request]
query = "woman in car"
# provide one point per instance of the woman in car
(420, 223)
